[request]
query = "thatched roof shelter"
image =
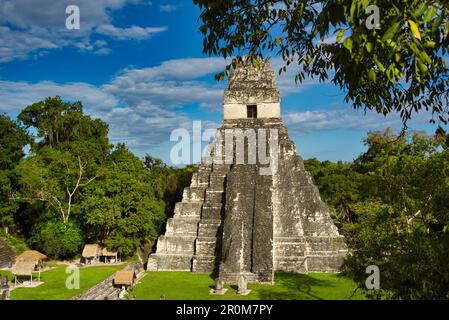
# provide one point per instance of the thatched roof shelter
(109, 253)
(23, 267)
(124, 278)
(31, 255)
(91, 251)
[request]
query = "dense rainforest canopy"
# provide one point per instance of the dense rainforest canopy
(75, 187)
(392, 205)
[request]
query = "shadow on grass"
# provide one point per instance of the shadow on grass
(290, 286)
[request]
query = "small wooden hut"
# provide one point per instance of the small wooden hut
(28, 263)
(32, 255)
(109, 256)
(124, 278)
(91, 253)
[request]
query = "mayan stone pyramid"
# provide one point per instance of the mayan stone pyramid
(235, 221)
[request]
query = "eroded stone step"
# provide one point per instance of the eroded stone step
(182, 226)
(285, 249)
(331, 263)
(324, 244)
(200, 179)
(209, 228)
(204, 264)
(217, 181)
(215, 196)
(193, 194)
(188, 209)
(174, 244)
(204, 168)
(289, 246)
(290, 264)
(205, 246)
(212, 211)
(220, 168)
(167, 262)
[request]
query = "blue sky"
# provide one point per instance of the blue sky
(138, 65)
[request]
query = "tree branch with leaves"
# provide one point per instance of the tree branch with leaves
(398, 66)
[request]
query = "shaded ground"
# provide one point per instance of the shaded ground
(194, 286)
(54, 286)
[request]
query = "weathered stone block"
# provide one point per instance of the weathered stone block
(204, 263)
(199, 180)
(212, 212)
(291, 264)
(222, 169)
(217, 182)
(209, 228)
(331, 263)
(188, 209)
(293, 247)
(169, 262)
(205, 247)
(193, 194)
(214, 196)
(325, 244)
(182, 226)
(176, 244)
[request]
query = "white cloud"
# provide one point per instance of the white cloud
(32, 28)
(17, 45)
(344, 117)
(131, 33)
(154, 99)
(17, 95)
(174, 82)
(142, 126)
(141, 106)
(167, 8)
(179, 69)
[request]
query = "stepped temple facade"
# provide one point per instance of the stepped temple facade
(252, 217)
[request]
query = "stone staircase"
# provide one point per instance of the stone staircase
(209, 237)
(102, 291)
(7, 255)
(192, 236)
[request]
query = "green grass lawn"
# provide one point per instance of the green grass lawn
(195, 286)
(54, 287)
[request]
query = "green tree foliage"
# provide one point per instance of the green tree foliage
(339, 184)
(400, 213)
(398, 65)
(74, 187)
(13, 139)
(169, 183)
(57, 239)
(67, 156)
(63, 126)
(121, 209)
(54, 177)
